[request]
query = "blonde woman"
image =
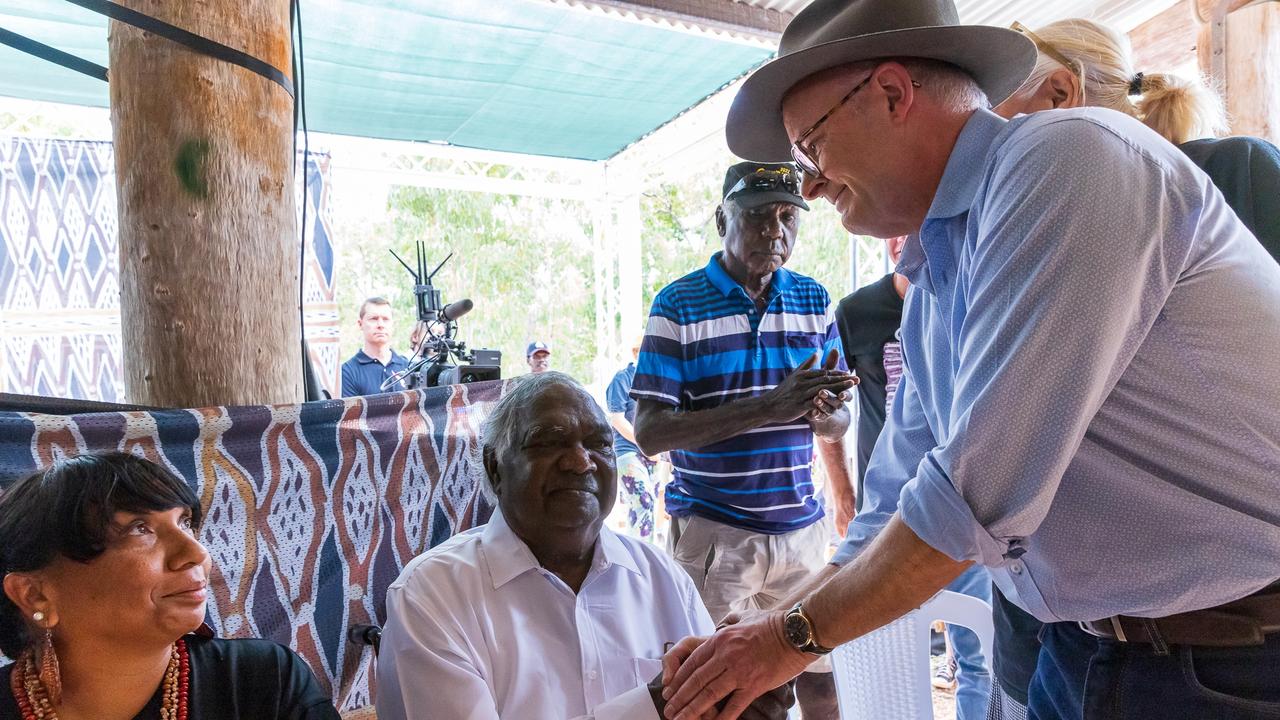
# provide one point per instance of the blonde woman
(1082, 62)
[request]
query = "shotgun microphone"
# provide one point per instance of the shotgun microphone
(455, 310)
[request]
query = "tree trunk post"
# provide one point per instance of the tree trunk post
(209, 255)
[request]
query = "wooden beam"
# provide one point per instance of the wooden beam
(1253, 71)
(208, 248)
(1166, 42)
(747, 21)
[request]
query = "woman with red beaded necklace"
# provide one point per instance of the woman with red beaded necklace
(105, 586)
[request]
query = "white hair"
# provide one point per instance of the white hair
(499, 430)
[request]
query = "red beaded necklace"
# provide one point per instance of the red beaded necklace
(33, 699)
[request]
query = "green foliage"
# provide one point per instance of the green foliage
(526, 262)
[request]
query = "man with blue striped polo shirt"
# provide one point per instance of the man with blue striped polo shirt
(739, 369)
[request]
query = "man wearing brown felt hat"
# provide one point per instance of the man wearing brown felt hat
(1076, 287)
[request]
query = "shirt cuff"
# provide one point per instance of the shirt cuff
(634, 704)
(935, 511)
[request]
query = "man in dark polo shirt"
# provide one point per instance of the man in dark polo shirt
(739, 369)
(376, 362)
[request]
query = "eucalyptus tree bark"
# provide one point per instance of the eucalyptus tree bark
(208, 249)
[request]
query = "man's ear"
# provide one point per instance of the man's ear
(722, 222)
(490, 460)
(895, 82)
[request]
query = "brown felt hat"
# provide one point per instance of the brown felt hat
(830, 33)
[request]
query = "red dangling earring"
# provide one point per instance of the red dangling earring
(50, 674)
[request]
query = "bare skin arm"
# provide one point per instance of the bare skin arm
(836, 462)
(660, 428)
(622, 425)
(896, 574)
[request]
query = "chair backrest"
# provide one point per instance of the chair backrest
(884, 675)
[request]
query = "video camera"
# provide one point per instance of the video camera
(438, 358)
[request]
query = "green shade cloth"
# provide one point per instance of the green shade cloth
(523, 76)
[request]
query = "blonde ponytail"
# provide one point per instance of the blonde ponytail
(1178, 108)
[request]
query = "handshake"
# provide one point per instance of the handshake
(745, 670)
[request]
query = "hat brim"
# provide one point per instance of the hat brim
(746, 201)
(999, 60)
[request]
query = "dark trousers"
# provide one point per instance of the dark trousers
(1081, 677)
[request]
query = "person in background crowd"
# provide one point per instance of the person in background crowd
(1085, 410)
(636, 491)
(538, 355)
(739, 371)
(543, 613)
(1082, 62)
(375, 362)
(105, 587)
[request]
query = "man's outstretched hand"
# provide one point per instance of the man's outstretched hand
(729, 670)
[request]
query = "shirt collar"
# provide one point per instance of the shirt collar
(363, 357)
(966, 166)
(782, 279)
(508, 557)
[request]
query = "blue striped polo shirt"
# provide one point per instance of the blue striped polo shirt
(707, 345)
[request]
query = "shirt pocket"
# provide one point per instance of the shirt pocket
(646, 669)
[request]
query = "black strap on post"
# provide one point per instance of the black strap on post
(115, 11)
(52, 54)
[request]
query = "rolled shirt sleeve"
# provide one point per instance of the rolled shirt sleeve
(1066, 278)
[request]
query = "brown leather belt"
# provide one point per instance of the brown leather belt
(1239, 623)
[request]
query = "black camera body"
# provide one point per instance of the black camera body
(439, 359)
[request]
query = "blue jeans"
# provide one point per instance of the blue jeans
(973, 683)
(1081, 677)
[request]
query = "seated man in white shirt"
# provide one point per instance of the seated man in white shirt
(543, 614)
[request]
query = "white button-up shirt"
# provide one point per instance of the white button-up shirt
(478, 630)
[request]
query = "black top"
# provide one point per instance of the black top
(243, 679)
(1247, 171)
(867, 319)
(1016, 646)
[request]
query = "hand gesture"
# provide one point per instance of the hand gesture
(798, 394)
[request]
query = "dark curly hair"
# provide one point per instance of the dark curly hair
(67, 510)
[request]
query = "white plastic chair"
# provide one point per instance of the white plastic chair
(884, 675)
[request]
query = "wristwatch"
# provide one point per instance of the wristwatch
(798, 628)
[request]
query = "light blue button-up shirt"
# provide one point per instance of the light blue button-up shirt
(1090, 405)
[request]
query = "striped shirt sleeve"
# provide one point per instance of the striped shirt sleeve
(659, 368)
(832, 339)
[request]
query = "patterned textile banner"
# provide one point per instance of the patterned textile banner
(60, 271)
(311, 510)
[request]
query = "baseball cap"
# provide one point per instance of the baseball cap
(752, 184)
(537, 346)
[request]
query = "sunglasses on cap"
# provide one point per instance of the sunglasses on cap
(766, 179)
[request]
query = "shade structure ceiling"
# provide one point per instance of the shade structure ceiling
(567, 78)
(523, 76)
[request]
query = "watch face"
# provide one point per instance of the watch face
(797, 629)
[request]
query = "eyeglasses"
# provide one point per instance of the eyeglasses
(804, 156)
(764, 179)
(1050, 50)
